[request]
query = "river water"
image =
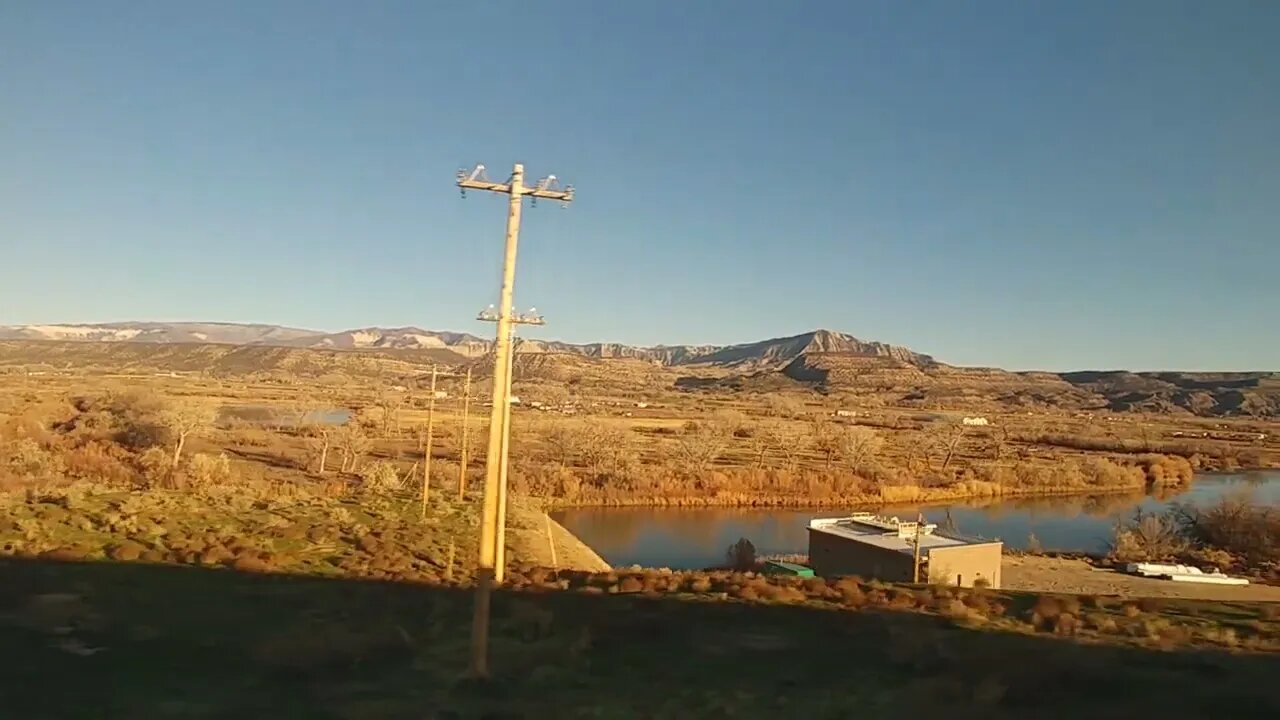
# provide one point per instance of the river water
(268, 415)
(696, 538)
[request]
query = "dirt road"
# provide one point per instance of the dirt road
(1075, 576)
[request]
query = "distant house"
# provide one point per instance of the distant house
(440, 394)
(975, 421)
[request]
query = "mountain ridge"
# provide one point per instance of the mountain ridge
(758, 354)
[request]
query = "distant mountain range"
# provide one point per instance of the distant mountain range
(824, 360)
(765, 353)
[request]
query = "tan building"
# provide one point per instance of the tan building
(876, 547)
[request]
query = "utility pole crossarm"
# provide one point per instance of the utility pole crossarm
(561, 195)
(484, 185)
(546, 189)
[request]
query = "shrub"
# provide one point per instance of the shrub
(155, 464)
(379, 476)
(741, 555)
(98, 461)
(204, 470)
(1065, 624)
(1070, 605)
(1150, 604)
(1101, 623)
(1148, 536)
(1044, 614)
(1236, 524)
(25, 458)
(851, 596)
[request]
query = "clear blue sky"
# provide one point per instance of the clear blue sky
(1056, 185)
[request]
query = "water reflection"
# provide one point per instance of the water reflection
(698, 537)
(267, 415)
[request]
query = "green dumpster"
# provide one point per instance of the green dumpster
(777, 567)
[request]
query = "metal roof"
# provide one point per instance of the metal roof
(870, 530)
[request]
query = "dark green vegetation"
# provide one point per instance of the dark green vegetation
(116, 640)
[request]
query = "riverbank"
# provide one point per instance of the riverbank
(892, 495)
(1067, 575)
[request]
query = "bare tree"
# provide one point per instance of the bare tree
(566, 442)
(915, 446)
(786, 440)
(999, 437)
(785, 406)
(952, 436)
(353, 444)
(599, 446)
(324, 435)
(859, 446)
(183, 419)
(825, 440)
(389, 403)
(300, 411)
(702, 443)
(733, 421)
(553, 395)
(761, 441)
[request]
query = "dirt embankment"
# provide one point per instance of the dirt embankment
(534, 538)
(1062, 575)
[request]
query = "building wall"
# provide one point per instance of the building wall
(963, 564)
(831, 556)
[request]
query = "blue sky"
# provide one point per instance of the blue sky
(1055, 185)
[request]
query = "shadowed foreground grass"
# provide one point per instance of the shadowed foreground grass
(120, 640)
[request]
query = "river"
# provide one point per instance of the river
(682, 538)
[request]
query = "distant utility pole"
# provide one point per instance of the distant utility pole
(516, 190)
(915, 559)
(426, 442)
(463, 454)
(500, 537)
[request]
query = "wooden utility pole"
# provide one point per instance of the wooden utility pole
(500, 537)
(516, 190)
(915, 560)
(466, 426)
(426, 443)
